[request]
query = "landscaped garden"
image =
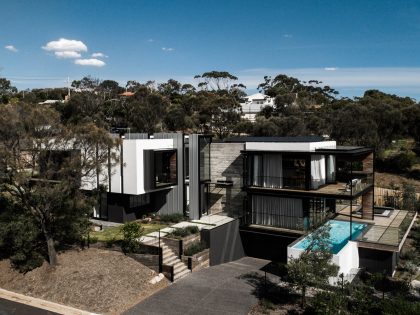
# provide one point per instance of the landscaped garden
(114, 233)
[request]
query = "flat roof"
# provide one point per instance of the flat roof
(345, 150)
(275, 139)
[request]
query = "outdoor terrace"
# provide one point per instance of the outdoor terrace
(384, 232)
(337, 189)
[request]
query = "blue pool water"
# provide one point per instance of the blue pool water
(339, 234)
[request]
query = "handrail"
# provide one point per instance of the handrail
(277, 182)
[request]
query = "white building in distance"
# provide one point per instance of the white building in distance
(253, 104)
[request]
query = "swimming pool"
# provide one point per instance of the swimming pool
(339, 235)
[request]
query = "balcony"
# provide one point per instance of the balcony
(278, 182)
(298, 185)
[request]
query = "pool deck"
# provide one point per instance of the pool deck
(384, 232)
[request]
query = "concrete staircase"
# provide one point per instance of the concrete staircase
(169, 258)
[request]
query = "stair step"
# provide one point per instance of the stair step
(171, 261)
(181, 274)
(167, 251)
(179, 268)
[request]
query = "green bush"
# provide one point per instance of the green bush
(20, 239)
(110, 242)
(400, 306)
(131, 231)
(93, 240)
(328, 303)
(172, 218)
(398, 163)
(25, 262)
(195, 248)
(183, 232)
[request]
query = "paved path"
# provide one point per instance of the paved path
(223, 289)
(16, 303)
(13, 308)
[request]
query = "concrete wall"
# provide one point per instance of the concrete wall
(377, 260)
(226, 164)
(133, 164)
(123, 208)
(224, 243)
(261, 243)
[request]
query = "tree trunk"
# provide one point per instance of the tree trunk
(52, 253)
(303, 296)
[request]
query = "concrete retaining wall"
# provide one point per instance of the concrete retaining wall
(224, 243)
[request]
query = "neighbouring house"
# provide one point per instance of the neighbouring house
(275, 190)
(252, 104)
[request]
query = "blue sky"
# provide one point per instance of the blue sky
(349, 45)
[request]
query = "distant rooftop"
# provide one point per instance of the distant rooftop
(127, 93)
(275, 139)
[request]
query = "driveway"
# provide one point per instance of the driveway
(230, 288)
(10, 307)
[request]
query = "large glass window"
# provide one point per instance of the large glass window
(165, 168)
(273, 170)
(294, 172)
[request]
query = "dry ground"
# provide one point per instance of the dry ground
(387, 180)
(95, 280)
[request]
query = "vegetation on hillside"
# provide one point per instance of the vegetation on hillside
(43, 208)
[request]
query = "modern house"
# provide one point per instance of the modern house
(165, 173)
(252, 104)
(276, 190)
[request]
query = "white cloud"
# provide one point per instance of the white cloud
(99, 55)
(330, 68)
(90, 62)
(167, 49)
(150, 40)
(67, 54)
(11, 48)
(64, 44)
(287, 35)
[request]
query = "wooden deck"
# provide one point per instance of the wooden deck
(330, 189)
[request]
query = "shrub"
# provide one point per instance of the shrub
(398, 163)
(409, 255)
(131, 231)
(21, 240)
(328, 303)
(109, 242)
(400, 306)
(195, 248)
(25, 262)
(183, 232)
(93, 240)
(172, 218)
(266, 306)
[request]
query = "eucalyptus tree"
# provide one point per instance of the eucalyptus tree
(42, 163)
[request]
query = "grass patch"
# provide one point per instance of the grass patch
(114, 233)
(183, 232)
(171, 218)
